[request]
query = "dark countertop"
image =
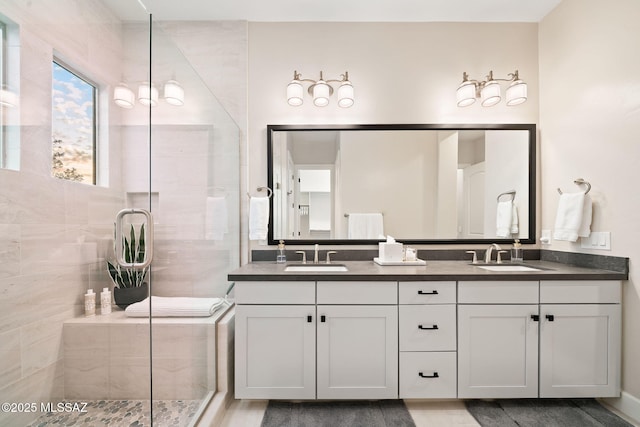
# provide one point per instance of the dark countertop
(434, 270)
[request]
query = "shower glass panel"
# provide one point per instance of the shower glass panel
(180, 162)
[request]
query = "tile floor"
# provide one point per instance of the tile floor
(120, 413)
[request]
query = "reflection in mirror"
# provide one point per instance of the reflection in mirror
(418, 183)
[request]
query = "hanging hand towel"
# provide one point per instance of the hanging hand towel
(365, 226)
(515, 229)
(585, 225)
(504, 218)
(569, 217)
(258, 218)
(216, 221)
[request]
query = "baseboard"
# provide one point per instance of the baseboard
(627, 405)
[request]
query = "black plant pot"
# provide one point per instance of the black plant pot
(127, 296)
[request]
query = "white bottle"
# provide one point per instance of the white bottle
(89, 303)
(105, 301)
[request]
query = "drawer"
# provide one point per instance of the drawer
(438, 379)
(427, 327)
(357, 292)
(275, 292)
(427, 292)
(580, 291)
(503, 292)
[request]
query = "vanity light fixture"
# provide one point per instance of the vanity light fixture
(489, 90)
(320, 90)
(148, 94)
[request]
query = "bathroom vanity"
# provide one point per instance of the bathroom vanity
(445, 330)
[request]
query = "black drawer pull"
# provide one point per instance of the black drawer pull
(435, 375)
(428, 328)
(309, 319)
(550, 317)
(535, 317)
(428, 293)
(323, 318)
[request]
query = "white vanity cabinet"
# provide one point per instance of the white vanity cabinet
(357, 339)
(498, 339)
(580, 338)
(275, 340)
(427, 339)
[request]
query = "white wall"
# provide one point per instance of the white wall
(590, 128)
(401, 72)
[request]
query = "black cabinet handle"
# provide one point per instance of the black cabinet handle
(323, 318)
(427, 293)
(426, 328)
(535, 317)
(550, 317)
(309, 319)
(435, 375)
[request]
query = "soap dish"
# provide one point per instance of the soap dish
(416, 262)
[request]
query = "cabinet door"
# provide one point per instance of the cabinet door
(357, 352)
(497, 351)
(580, 350)
(275, 351)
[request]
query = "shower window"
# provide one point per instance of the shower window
(73, 125)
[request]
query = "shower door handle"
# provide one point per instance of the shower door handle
(148, 249)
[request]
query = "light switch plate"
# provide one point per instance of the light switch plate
(597, 240)
(545, 237)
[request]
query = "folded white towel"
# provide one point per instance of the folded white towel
(587, 213)
(258, 218)
(216, 221)
(515, 228)
(504, 218)
(365, 226)
(573, 218)
(174, 307)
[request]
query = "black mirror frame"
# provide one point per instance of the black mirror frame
(531, 128)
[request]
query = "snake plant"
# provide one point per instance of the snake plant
(133, 251)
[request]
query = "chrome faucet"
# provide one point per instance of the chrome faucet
(315, 253)
(487, 254)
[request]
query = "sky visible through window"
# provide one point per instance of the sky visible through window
(73, 126)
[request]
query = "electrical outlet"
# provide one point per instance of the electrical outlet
(597, 240)
(545, 237)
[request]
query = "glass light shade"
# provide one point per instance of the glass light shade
(516, 93)
(295, 93)
(148, 95)
(490, 94)
(321, 92)
(8, 98)
(345, 94)
(123, 96)
(173, 93)
(466, 94)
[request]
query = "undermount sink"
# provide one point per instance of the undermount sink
(315, 268)
(508, 267)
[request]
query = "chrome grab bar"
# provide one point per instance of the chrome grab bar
(119, 248)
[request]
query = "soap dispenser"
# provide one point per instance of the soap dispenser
(281, 258)
(105, 301)
(90, 303)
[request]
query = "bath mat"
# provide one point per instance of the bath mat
(380, 413)
(543, 413)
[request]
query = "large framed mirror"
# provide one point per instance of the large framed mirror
(419, 183)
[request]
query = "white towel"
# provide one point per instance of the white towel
(587, 213)
(216, 221)
(504, 218)
(365, 226)
(515, 228)
(258, 218)
(573, 218)
(174, 307)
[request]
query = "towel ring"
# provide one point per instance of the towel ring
(511, 193)
(269, 191)
(579, 181)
